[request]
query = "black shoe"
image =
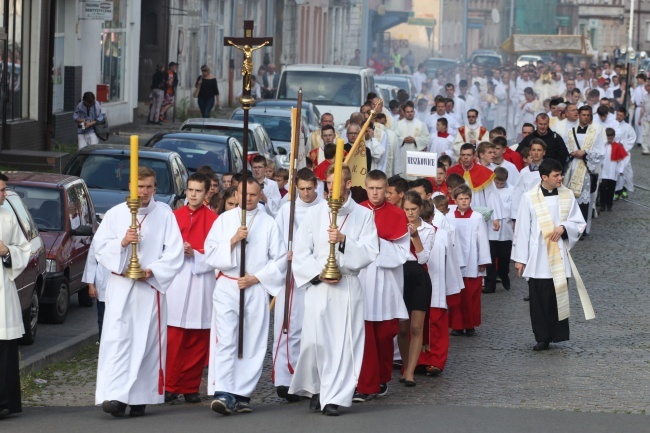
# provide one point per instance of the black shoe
(470, 332)
(314, 403)
(360, 398)
(506, 285)
(283, 392)
(192, 398)
(540, 346)
(383, 389)
(114, 407)
(397, 364)
(170, 396)
(221, 405)
(527, 298)
(409, 383)
(243, 407)
(457, 333)
(137, 410)
(331, 410)
(489, 289)
(4, 413)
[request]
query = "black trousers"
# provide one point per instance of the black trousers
(500, 253)
(543, 312)
(607, 190)
(9, 376)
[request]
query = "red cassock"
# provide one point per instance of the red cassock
(379, 348)
(321, 170)
(514, 157)
(618, 152)
(188, 349)
(437, 341)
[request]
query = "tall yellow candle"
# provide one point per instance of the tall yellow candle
(338, 169)
(134, 167)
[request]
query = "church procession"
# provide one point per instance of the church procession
(354, 271)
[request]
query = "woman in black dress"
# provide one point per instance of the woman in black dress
(208, 92)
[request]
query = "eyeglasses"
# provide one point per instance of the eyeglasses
(472, 117)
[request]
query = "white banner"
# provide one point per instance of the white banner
(421, 164)
(99, 10)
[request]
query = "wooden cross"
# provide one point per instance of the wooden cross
(246, 45)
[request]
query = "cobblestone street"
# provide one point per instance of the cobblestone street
(605, 367)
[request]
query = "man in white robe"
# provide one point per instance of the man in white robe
(528, 176)
(270, 193)
(130, 369)
(391, 145)
(230, 379)
(452, 123)
(471, 132)
(333, 330)
(314, 140)
(14, 253)
(412, 135)
(531, 246)
(627, 137)
(286, 347)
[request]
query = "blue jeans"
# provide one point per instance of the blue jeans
(206, 105)
(231, 398)
(100, 316)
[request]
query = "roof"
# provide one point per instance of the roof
(31, 177)
(337, 68)
(193, 136)
(220, 122)
(114, 149)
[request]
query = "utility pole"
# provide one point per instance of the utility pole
(464, 46)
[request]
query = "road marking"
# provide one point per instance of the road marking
(636, 203)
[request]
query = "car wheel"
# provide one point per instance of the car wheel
(30, 321)
(58, 311)
(84, 299)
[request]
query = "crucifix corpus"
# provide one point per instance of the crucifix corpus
(246, 45)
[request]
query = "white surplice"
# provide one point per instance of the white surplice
(272, 193)
(134, 335)
(189, 297)
(11, 319)
(473, 237)
(285, 352)
(505, 233)
(627, 137)
(333, 332)
(266, 259)
(443, 265)
(96, 274)
(529, 246)
(527, 180)
(513, 173)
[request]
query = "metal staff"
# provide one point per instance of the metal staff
(293, 168)
(246, 45)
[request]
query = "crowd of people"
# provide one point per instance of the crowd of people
(416, 253)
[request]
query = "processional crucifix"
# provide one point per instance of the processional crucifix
(246, 45)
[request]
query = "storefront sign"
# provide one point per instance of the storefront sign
(99, 10)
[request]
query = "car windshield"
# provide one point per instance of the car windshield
(284, 106)
(400, 83)
(111, 172)
(321, 87)
(487, 61)
(226, 131)
(44, 204)
(278, 127)
(196, 153)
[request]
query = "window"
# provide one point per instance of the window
(113, 46)
(78, 209)
(14, 60)
(25, 220)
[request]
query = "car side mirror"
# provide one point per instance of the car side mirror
(83, 231)
(282, 151)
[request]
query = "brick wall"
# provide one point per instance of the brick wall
(65, 129)
(72, 87)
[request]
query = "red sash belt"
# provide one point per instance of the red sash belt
(221, 274)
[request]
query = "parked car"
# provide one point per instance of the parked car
(222, 153)
(31, 281)
(433, 64)
(309, 110)
(335, 89)
(64, 214)
(487, 58)
(277, 124)
(105, 169)
(527, 59)
(258, 139)
(386, 92)
(402, 81)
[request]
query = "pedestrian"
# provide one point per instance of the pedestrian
(333, 330)
(286, 347)
(87, 114)
(613, 168)
(549, 223)
(417, 286)
(232, 380)
(171, 82)
(473, 237)
(96, 276)
(383, 287)
(14, 251)
(158, 86)
(189, 306)
(206, 92)
(130, 369)
(270, 193)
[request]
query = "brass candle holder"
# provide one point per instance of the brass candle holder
(134, 270)
(331, 270)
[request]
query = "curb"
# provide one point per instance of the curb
(58, 353)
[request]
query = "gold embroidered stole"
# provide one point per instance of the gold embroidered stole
(577, 179)
(555, 256)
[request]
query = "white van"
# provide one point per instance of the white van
(336, 89)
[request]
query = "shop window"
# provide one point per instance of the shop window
(113, 46)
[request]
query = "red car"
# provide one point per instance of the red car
(31, 281)
(65, 216)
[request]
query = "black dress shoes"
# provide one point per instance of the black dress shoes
(192, 398)
(540, 346)
(114, 407)
(4, 413)
(283, 392)
(331, 410)
(489, 289)
(137, 409)
(314, 403)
